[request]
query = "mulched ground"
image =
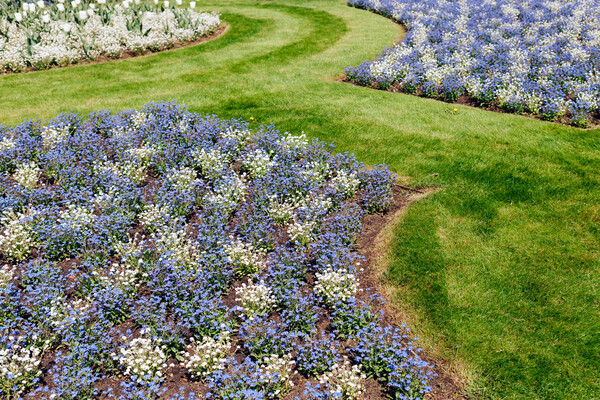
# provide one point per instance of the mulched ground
(371, 244)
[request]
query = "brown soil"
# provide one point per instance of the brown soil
(469, 101)
(128, 54)
(372, 245)
(372, 242)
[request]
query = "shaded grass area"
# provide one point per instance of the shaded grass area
(500, 267)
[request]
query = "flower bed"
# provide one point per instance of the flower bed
(156, 247)
(39, 35)
(540, 57)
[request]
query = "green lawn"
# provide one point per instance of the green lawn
(499, 268)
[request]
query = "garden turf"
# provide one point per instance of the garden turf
(498, 269)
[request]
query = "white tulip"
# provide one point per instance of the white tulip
(90, 12)
(166, 3)
(156, 2)
(60, 7)
(41, 4)
(18, 17)
(137, 2)
(82, 15)
(178, 2)
(192, 4)
(61, 1)
(45, 18)
(92, 6)
(66, 28)
(31, 7)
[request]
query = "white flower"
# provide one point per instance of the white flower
(258, 163)
(6, 275)
(19, 367)
(244, 257)
(336, 286)
(7, 144)
(346, 183)
(27, 175)
(302, 232)
(53, 136)
(203, 358)
(17, 240)
(255, 298)
(345, 379)
(142, 357)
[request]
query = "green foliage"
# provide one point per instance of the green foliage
(499, 266)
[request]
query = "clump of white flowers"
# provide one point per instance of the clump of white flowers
(6, 275)
(202, 358)
(16, 241)
(7, 144)
(336, 285)
(211, 162)
(344, 379)
(27, 175)
(138, 119)
(241, 136)
(257, 163)
(51, 136)
(142, 357)
(282, 210)
(76, 217)
(57, 310)
(143, 154)
(317, 171)
(131, 252)
(255, 298)
(276, 373)
(229, 194)
(155, 217)
(64, 33)
(302, 232)
(125, 277)
(181, 178)
(136, 171)
(291, 141)
(346, 183)
(19, 367)
(176, 246)
(245, 258)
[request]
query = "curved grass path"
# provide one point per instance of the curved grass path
(498, 270)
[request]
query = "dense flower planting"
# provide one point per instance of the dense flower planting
(535, 56)
(42, 34)
(138, 244)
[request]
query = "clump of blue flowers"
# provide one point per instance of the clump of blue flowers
(146, 245)
(536, 56)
